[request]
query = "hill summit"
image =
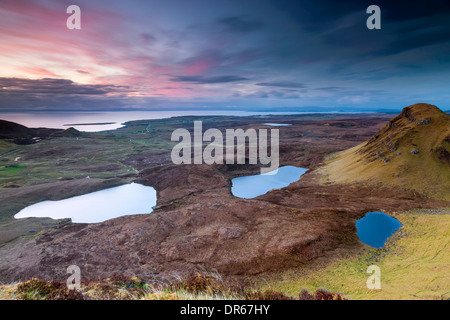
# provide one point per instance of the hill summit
(69, 132)
(411, 151)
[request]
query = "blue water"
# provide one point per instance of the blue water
(277, 124)
(375, 228)
(253, 186)
(59, 120)
(97, 206)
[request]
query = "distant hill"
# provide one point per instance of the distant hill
(69, 132)
(19, 134)
(412, 151)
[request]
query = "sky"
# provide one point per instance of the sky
(249, 55)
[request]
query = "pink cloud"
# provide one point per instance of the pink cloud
(38, 71)
(198, 67)
(36, 42)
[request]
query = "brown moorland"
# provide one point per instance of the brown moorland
(200, 225)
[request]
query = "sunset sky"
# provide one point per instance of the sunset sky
(264, 55)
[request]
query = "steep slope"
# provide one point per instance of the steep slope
(412, 152)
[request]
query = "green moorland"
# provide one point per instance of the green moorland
(49, 160)
(68, 164)
(11, 170)
(6, 147)
(97, 155)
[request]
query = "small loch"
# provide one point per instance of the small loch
(249, 187)
(375, 228)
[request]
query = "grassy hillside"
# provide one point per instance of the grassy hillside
(415, 264)
(412, 151)
(6, 147)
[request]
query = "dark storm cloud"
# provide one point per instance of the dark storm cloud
(209, 80)
(241, 24)
(49, 86)
(282, 84)
(405, 25)
(148, 38)
(419, 36)
(272, 94)
(331, 89)
(47, 94)
(318, 15)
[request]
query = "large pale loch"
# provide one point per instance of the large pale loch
(102, 121)
(277, 124)
(253, 186)
(375, 228)
(97, 206)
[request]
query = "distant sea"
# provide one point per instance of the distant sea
(102, 121)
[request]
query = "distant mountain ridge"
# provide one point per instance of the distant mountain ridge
(412, 151)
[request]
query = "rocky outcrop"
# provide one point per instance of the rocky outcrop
(411, 151)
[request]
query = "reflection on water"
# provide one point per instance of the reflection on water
(253, 186)
(277, 124)
(97, 206)
(59, 120)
